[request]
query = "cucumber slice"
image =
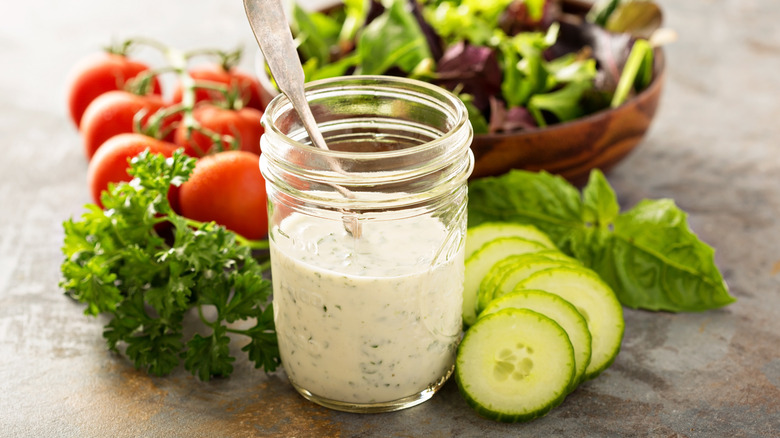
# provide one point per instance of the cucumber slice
(480, 263)
(502, 267)
(560, 311)
(514, 365)
(478, 236)
(595, 301)
(508, 275)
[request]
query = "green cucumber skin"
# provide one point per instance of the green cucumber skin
(504, 267)
(510, 417)
(598, 364)
(476, 262)
(484, 297)
(505, 418)
(495, 230)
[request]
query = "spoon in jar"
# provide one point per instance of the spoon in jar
(269, 24)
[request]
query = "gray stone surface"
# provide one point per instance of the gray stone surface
(714, 148)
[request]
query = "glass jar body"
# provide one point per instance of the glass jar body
(367, 240)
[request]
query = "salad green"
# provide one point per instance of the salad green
(516, 64)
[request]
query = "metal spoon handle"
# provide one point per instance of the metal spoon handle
(269, 24)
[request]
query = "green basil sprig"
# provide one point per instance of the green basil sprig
(647, 254)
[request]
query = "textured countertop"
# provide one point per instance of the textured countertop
(714, 147)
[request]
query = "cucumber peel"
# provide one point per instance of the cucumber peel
(480, 262)
(496, 360)
(596, 302)
(515, 365)
(517, 273)
(478, 236)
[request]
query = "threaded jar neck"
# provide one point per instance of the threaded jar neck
(386, 135)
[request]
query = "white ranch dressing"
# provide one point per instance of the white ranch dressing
(365, 320)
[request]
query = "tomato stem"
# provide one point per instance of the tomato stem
(189, 85)
(178, 63)
(227, 59)
(138, 125)
(144, 41)
(212, 86)
(121, 49)
(219, 142)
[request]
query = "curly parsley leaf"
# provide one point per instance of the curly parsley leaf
(117, 264)
(648, 254)
(263, 349)
(210, 355)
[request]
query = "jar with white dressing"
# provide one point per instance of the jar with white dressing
(367, 239)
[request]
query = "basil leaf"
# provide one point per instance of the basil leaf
(654, 261)
(600, 205)
(600, 208)
(648, 255)
(541, 199)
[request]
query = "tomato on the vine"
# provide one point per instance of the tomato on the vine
(242, 125)
(227, 188)
(111, 162)
(100, 73)
(114, 113)
(251, 92)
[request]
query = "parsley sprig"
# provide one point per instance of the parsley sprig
(118, 264)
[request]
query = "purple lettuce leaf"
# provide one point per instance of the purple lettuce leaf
(503, 119)
(473, 70)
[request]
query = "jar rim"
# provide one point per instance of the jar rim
(441, 97)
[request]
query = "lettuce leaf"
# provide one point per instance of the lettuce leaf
(648, 254)
(315, 33)
(394, 39)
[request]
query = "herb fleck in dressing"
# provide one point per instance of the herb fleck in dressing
(365, 320)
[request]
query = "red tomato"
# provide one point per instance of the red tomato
(243, 125)
(112, 113)
(227, 188)
(111, 162)
(100, 73)
(253, 94)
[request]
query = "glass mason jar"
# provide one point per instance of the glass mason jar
(367, 239)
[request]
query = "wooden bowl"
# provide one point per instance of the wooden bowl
(571, 149)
